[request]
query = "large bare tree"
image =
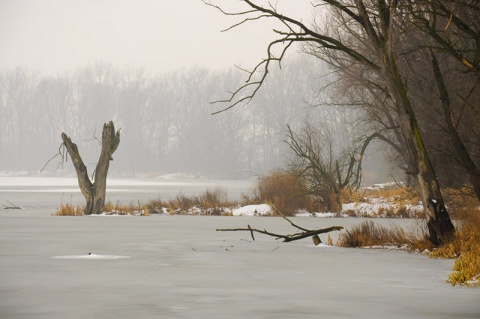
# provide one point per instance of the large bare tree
(374, 24)
(94, 193)
(452, 53)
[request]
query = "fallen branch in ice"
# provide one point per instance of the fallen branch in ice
(13, 206)
(287, 238)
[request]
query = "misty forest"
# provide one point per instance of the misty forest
(167, 123)
(166, 119)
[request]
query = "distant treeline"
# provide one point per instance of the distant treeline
(165, 119)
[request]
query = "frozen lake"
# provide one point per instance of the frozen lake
(48, 192)
(180, 267)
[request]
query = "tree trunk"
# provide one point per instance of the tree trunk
(439, 224)
(94, 193)
(461, 151)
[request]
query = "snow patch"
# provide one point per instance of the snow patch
(253, 210)
(326, 215)
(380, 207)
(303, 213)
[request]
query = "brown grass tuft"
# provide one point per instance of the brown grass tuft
(400, 196)
(465, 247)
(350, 195)
(211, 202)
(145, 211)
(69, 210)
(214, 198)
(120, 209)
(369, 234)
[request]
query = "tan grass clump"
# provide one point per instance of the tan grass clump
(120, 209)
(398, 195)
(155, 206)
(466, 248)
(369, 234)
(214, 198)
(351, 195)
(109, 209)
(145, 211)
(69, 210)
(211, 202)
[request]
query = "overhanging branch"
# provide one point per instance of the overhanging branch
(305, 34)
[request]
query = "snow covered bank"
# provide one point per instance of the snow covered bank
(381, 207)
(253, 210)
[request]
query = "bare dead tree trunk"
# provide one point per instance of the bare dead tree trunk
(94, 193)
(439, 225)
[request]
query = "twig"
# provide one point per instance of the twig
(285, 217)
(251, 232)
(61, 153)
(287, 238)
(13, 206)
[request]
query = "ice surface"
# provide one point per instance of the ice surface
(35, 192)
(180, 267)
(91, 256)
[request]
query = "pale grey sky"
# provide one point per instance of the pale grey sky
(56, 35)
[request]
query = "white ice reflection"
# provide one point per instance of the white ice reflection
(91, 256)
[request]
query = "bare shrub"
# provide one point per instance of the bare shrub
(285, 190)
(329, 201)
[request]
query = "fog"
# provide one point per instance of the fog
(154, 70)
(57, 35)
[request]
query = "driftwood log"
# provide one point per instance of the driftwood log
(291, 237)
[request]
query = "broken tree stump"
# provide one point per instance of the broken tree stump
(94, 191)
